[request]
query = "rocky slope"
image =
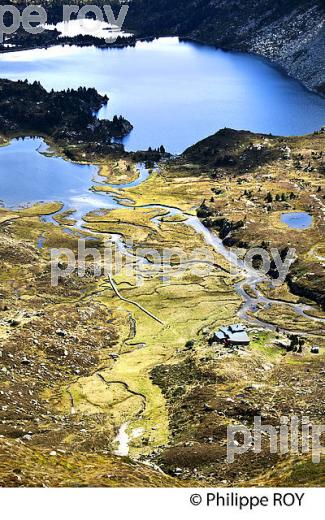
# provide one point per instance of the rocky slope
(266, 176)
(80, 361)
(290, 32)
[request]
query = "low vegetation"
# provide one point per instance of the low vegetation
(97, 356)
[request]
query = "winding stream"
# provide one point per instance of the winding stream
(52, 177)
(174, 93)
(37, 175)
(251, 278)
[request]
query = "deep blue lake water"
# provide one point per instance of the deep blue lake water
(177, 93)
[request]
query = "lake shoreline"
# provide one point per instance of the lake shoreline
(131, 42)
(106, 357)
(237, 90)
(105, 375)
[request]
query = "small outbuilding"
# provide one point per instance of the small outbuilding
(231, 335)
